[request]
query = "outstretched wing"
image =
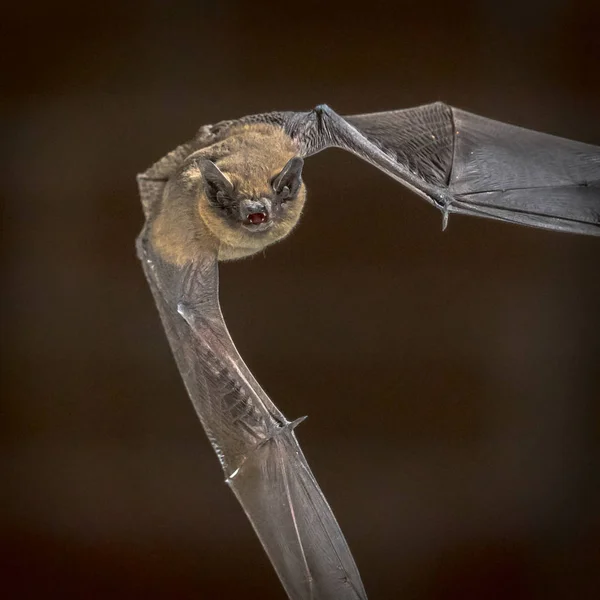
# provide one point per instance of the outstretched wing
(255, 443)
(466, 164)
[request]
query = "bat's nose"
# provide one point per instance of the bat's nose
(255, 212)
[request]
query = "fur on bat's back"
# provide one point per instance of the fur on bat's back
(250, 156)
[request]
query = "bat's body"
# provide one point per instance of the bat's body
(236, 188)
(248, 158)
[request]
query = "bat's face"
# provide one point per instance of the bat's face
(249, 208)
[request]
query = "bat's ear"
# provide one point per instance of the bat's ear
(290, 178)
(215, 179)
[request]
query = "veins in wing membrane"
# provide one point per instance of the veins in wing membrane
(421, 139)
(234, 399)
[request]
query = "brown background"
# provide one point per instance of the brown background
(451, 380)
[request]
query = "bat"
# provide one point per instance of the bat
(237, 187)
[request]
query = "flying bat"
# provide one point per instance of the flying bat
(237, 187)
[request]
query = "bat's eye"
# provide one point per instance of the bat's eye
(257, 218)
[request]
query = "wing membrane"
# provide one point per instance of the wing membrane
(420, 139)
(464, 163)
(255, 443)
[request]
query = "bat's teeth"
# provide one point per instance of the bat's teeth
(257, 218)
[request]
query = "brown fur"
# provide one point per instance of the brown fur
(250, 157)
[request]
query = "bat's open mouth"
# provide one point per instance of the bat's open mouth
(257, 218)
(257, 221)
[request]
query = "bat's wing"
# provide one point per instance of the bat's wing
(466, 164)
(255, 443)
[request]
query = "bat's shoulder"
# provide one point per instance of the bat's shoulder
(259, 124)
(254, 138)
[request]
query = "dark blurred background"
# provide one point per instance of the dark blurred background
(451, 380)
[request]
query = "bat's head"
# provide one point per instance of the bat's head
(249, 204)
